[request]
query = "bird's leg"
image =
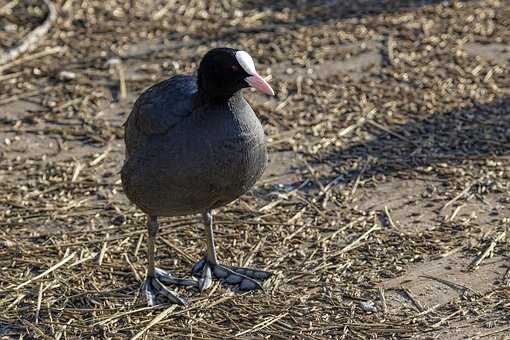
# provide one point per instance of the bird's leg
(152, 230)
(205, 280)
(154, 283)
(209, 235)
(208, 267)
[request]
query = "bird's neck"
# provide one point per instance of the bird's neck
(204, 99)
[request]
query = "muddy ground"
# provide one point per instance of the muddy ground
(384, 211)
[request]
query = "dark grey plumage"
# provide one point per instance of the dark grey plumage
(192, 145)
(184, 157)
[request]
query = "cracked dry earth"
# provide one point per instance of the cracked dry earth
(384, 212)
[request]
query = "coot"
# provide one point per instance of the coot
(194, 144)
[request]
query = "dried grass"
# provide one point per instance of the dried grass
(72, 249)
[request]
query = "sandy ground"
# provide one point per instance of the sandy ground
(384, 212)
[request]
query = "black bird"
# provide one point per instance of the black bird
(194, 144)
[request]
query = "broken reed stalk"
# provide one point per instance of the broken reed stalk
(487, 250)
(357, 241)
(48, 271)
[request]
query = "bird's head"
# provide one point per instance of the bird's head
(224, 71)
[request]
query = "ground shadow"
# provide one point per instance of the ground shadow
(478, 132)
(317, 11)
(302, 13)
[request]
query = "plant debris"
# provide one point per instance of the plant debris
(389, 143)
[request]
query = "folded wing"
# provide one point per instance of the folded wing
(158, 109)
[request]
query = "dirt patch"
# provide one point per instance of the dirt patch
(466, 330)
(442, 281)
(496, 53)
(352, 60)
(417, 205)
(281, 168)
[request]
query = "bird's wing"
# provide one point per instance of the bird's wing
(158, 109)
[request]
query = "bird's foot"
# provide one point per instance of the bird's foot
(154, 287)
(245, 278)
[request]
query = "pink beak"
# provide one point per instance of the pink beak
(260, 84)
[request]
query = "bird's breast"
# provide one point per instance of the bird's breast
(237, 162)
(205, 162)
